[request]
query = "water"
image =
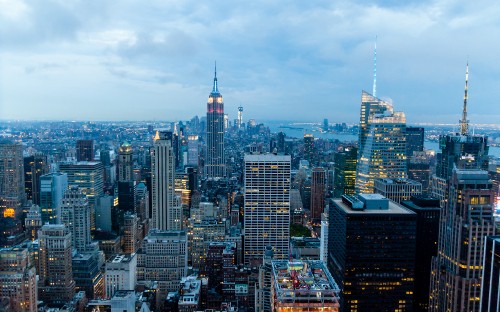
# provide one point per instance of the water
(298, 131)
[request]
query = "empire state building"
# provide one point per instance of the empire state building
(215, 166)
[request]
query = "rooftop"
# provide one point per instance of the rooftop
(392, 208)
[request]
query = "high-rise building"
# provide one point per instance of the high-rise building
(33, 222)
(428, 211)
(309, 149)
(75, 214)
(130, 239)
(419, 169)
(84, 150)
(203, 232)
(125, 164)
(18, 279)
(52, 188)
(34, 167)
(267, 205)
(120, 273)
(163, 258)
(414, 140)
(12, 194)
(166, 210)
(325, 124)
(88, 275)
(318, 186)
(281, 142)
(490, 283)
(88, 176)
(382, 143)
(344, 174)
(464, 223)
(372, 252)
(56, 286)
(215, 165)
(397, 189)
(142, 201)
(290, 291)
(263, 287)
(193, 151)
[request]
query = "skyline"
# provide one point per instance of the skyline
(127, 61)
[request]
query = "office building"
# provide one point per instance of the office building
(166, 210)
(163, 258)
(88, 275)
(125, 164)
(397, 189)
(12, 195)
(263, 287)
(33, 222)
(142, 201)
(414, 140)
(103, 213)
(419, 169)
(203, 232)
(88, 176)
(318, 188)
(215, 165)
(84, 150)
(490, 288)
(300, 286)
(309, 149)
(34, 167)
(52, 188)
(267, 205)
(18, 279)
(130, 233)
(120, 273)
(428, 211)
(382, 143)
(464, 223)
(56, 286)
(366, 231)
(75, 215)
(323, 247)
(193, 151)
(344, 174)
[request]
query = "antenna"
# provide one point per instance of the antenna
(464, 123)
(374, 93)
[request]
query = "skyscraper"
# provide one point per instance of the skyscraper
(75, 214)
(52, 188)
(84, 150)
(125, 168)
(12, 194)
(318, 193)
(267, 205)
(240, 116)
(344, 174)
(88, 176)
(372, 253)
(56, 285)
(414, 140)
(490, 288)
(34, 167)
(309, 150)
(464, 223)
(166, 210)
(382, 143)
(18, 279)
(215, 166)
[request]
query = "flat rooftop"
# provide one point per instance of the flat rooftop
(394, 208)
(303, 276)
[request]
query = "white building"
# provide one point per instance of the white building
(75, 214)
(267, 205)
(121, 273)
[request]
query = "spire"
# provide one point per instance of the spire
(464, 123)
(215, 89)
(374, 93)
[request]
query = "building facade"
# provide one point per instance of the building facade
(12, 194)
(344, 174)
(267, 205)
(52, 188)
(397, 189)
(318, 188)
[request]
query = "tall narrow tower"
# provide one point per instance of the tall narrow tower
(166, 209)
(215, 163)
(240, 116)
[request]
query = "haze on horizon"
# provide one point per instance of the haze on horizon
(130, 60)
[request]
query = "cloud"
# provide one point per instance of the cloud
(288, 59)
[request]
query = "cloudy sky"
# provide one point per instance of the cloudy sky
(287, 60)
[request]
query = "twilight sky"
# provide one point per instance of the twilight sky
(286, 60)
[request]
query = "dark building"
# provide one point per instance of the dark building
(490, 294)
(344, 178)
(309, 149)
(420, 171)
(34, 167)
(126, 202)
(281, 142)
(325, 124)
(374, 243)
(318, 186)
(87, 275)
(85, 150)
(414, 140)
(427, 210)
